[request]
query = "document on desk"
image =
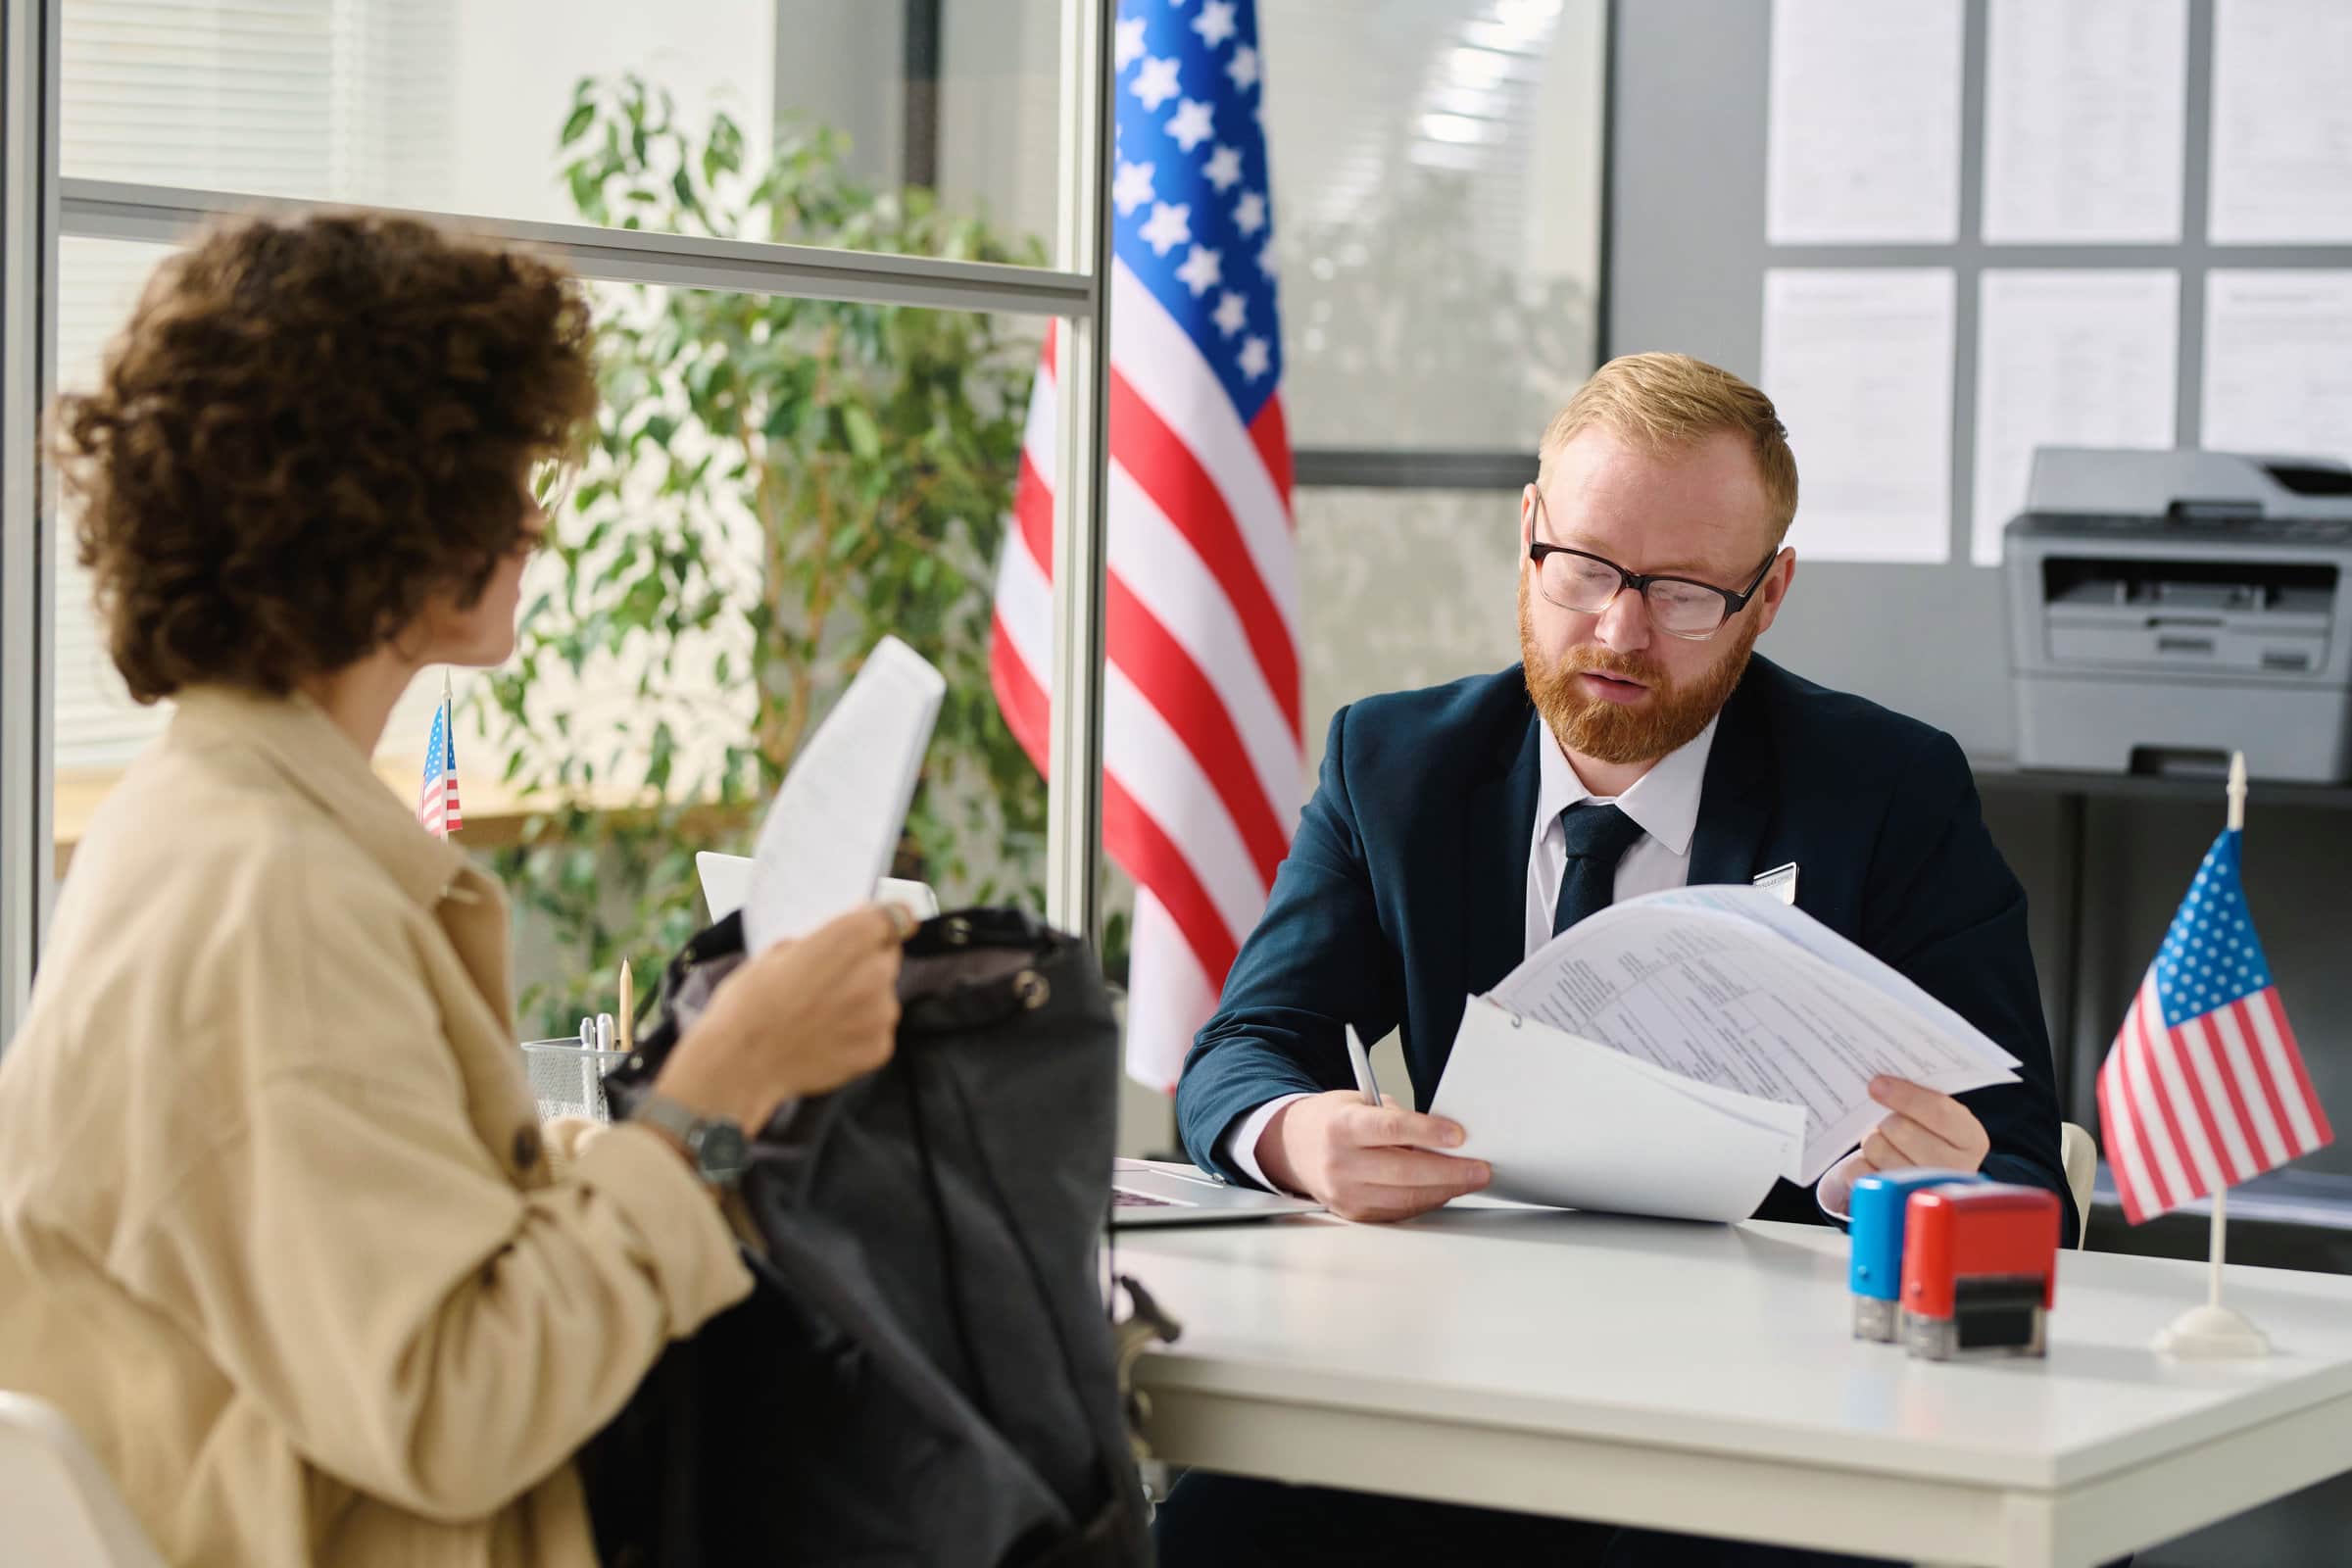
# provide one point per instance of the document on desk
(835, 823)
(1569, 1122)
(1730, 991)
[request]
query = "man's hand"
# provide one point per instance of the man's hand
(1923, 1130)
(1926, 1129)
(1366, 1162)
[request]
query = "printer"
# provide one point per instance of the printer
(2169, 607)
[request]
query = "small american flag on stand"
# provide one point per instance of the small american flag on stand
(438, 803)
(2204, 1087)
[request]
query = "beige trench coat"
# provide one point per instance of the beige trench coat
(278, 1227)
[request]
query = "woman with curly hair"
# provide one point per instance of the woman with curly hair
(280, 1230)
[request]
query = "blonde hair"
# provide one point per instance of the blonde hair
(1670, 402)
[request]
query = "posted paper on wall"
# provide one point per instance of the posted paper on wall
(2281, 165)
(1858, 361)
(1863, 140)
(2068, 357)
(2086, 114)
(2278, 362)
(835, 823)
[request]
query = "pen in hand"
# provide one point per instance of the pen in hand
(1362, 1063)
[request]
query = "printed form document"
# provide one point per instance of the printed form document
(1676, 1052)
(835, 823)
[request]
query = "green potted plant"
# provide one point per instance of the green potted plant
(773, 483)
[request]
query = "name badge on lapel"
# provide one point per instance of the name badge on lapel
(1781, 881)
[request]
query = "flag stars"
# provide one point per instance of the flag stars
(1130, 41)
(1132, 188)
(1169, 227)
(1224, 168)
(1250, 212)
(1215, 23)
(1201, 270)
(1156, 83)
(1243, 67)
(1230, 313)
(1189, 123)
(1256, 357)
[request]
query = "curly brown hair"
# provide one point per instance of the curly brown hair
(309, 430)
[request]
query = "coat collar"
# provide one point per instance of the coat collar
(1734, 804)
(1494, 851)
(294, 738)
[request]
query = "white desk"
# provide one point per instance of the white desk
(1701, 1378)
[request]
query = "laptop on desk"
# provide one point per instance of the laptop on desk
(1148, 1193)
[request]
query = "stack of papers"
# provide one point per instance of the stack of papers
(1675, 1053)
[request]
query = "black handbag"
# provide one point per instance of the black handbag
(924, 1371)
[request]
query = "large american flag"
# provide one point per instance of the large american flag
(437, 801)
(1203, 759)
(2204, 1085)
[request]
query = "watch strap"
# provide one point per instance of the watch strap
(694, 1131)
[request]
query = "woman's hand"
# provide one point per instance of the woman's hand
(799, 1019)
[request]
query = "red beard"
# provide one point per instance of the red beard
(1668, 718)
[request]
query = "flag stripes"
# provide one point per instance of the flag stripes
(1202, 741)
(2205, 1085)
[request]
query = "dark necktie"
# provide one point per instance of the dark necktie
(1597, 838)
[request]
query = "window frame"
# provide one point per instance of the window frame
(37, 208)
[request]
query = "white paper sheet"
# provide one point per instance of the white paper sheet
(1765, 908)
(1744, 994)
(1569, 1122)
(2068, 357)
(1863, 141)
(1858, 361)
(2281, 122)
(2278, 362)
(2085, 112)
(830, 834)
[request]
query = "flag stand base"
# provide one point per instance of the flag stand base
(2213, 1334)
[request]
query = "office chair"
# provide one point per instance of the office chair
(62, 1508)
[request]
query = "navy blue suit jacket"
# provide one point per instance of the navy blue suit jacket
(1405, 893)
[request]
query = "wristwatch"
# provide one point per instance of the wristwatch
(716, 1144)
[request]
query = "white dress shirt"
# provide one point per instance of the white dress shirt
(1663, 803)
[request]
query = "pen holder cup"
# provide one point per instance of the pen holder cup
(568, 1079)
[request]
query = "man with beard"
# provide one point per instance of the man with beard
(1638, 747)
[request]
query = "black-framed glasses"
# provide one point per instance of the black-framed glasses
(1680, 607)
